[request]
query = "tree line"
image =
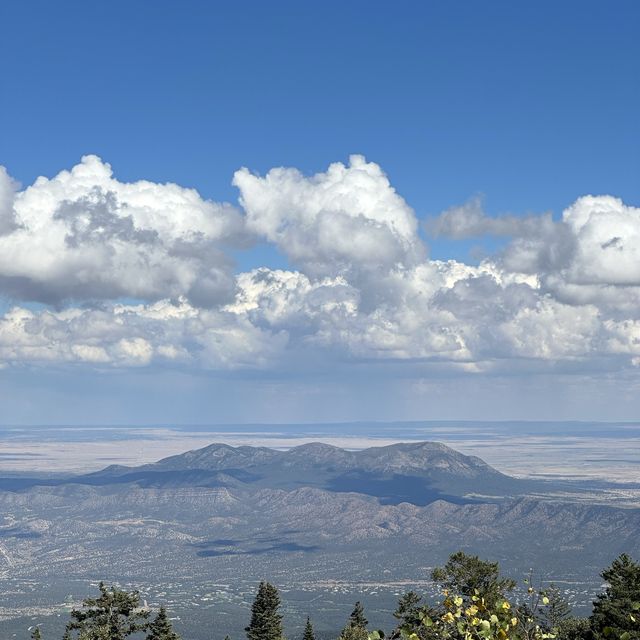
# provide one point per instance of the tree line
(477, 604)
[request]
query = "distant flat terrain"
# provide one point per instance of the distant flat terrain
(604, 452)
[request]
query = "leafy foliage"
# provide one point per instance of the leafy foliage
(467, 576)
(474, 618)
(476, 607)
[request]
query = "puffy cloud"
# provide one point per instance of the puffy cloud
(607, 249)
(623, 337)
(445, 313)
(84, 235)
(550, 330)
(591, 256)
(162, 333)
(441, 312)
(344, 221)
(562, 293)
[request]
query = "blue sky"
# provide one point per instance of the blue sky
(531, 105)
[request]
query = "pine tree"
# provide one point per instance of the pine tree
(555, 610)
(161, 628)
(114, 615)
(356, 628)
(308, 631)
(613, 610)
(408, 610)
(266, 621)
(357, 619)
(410, 613)
(572, 628)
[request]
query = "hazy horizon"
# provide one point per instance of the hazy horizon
(571, 450)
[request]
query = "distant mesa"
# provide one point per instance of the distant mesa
(417, 473)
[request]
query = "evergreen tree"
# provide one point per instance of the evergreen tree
(409, 613)
(356, 628)
(465, 575)
(161, 628)
(35, 634)
(613, 611)
(573, 628)
(555, 610)
(408, 610)
(266, 621)
(357, 619)
(114, 615)
(308, 631)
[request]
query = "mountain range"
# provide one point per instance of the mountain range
(304, 516)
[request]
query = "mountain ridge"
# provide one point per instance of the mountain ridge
(220, 455)
(414, 472)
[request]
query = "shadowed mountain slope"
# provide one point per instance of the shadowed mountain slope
(418, 473)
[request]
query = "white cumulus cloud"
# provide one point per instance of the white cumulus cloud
(348, 219)
(563, 293)
(162, 333)
(84, 235)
